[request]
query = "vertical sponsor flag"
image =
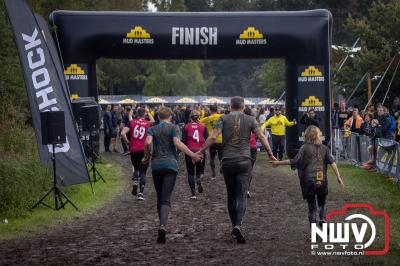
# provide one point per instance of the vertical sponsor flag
(46, 88)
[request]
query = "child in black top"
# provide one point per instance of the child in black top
(311, 162)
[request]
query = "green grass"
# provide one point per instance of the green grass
(43, 218)
(376, 189)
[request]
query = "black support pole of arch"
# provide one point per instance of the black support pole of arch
(302, 38)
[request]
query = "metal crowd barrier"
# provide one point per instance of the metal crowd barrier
(388, 157)
(354, 148)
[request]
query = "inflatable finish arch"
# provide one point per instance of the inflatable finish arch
(302, 38)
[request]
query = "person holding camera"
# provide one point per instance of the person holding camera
(310, 118)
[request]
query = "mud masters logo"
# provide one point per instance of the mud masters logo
(251, 36)
(138, 36)
(75, 72)
(356, 229)
(312, 102)
(311, 74)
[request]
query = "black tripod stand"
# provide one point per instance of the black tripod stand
(95, 173)
(59, 195)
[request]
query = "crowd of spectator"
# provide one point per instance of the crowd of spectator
(378, 121)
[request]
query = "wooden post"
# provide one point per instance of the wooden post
(369, 86)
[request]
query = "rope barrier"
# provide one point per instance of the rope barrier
(341, 64)
(380, 82)
(356, 88)
(390, 84)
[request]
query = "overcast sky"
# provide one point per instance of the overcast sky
(151, 7)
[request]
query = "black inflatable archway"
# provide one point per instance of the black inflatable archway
(302, 38)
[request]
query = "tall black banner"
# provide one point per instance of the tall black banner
(311, 95)
(46, 88)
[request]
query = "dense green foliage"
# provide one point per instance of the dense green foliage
(380, 41)
(271, 77)
(21, 175)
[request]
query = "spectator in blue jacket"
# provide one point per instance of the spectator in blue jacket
(385, 122)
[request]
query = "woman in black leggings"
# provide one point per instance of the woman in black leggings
(165, 138)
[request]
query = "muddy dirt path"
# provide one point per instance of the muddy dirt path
(124, 231)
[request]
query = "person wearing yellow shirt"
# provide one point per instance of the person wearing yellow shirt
(278, 124)
(398, 130)
(202, 113)
(200, 109)
(216, 148)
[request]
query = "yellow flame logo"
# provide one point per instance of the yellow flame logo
(311, 101)
(311, 71)
(138, 33)
(251, 33)
(74, 69)
(74, 96)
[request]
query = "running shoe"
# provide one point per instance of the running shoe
(161, 235)
(213, 174)
(237, 233)
(134, 188)
(193, 197)
(248, 195)
(200, 188)
(140, 196)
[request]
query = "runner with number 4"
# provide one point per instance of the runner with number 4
(138, 132)
(194, 135)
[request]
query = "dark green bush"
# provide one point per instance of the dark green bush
(22, 177)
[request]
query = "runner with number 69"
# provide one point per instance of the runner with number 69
(138, 132)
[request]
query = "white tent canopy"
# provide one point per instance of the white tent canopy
(206, 100)
(156, 100)
(186, 100)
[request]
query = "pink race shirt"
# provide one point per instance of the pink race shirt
(195, 136)
(138, 130)
(253, 140)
